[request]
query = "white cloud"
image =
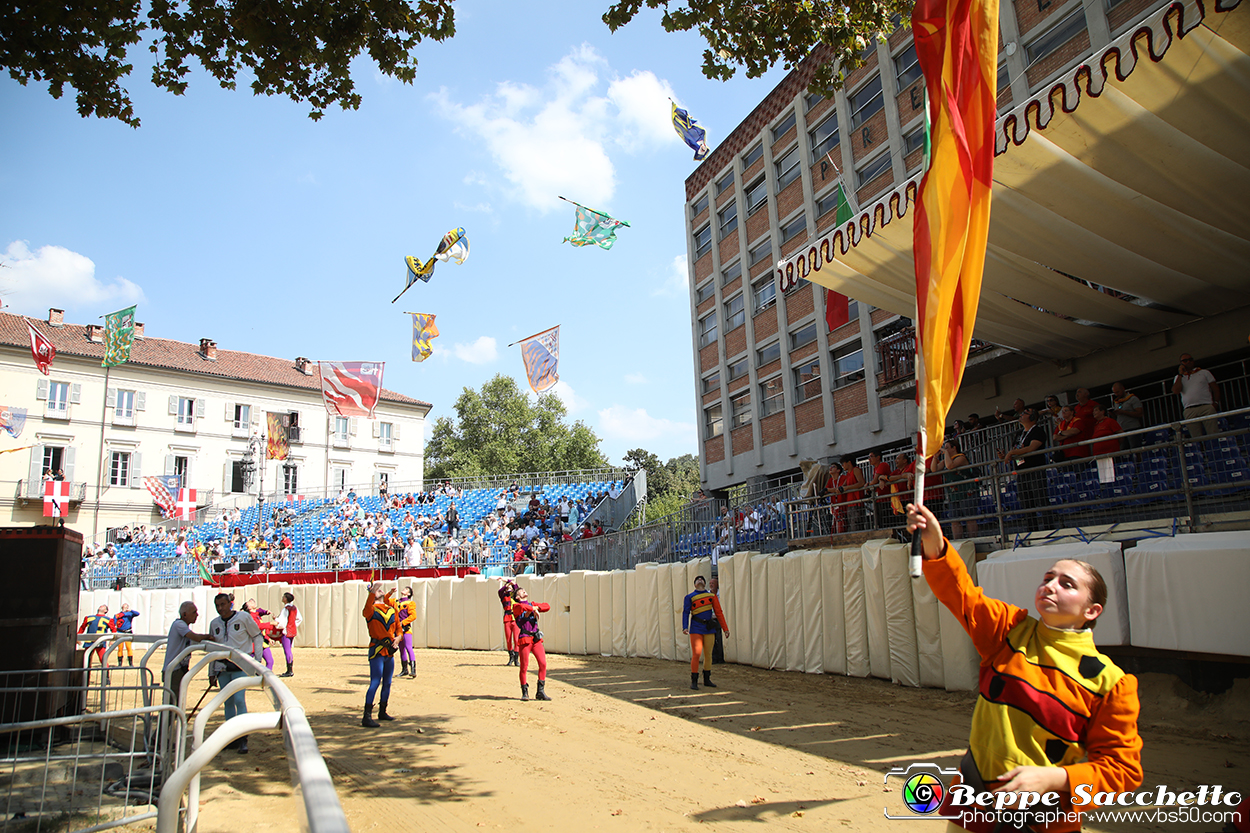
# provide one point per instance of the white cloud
(553, 140)
(677, 281)
(482, 351)
(53, 276)
(635, 378)
(635, 425)
(572, 402)
(483, 207)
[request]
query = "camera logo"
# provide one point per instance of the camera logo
(922, 788)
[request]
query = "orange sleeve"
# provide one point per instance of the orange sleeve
(411, 610)
(986, 620)
(370, 604)
(1112, 745)
(719, 615)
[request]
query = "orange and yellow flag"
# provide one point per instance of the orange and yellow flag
(957, 47)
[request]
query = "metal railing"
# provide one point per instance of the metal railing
(897, 353)
(33, 490)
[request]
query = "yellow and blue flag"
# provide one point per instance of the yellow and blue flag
(453, 248)
(423, 329)
(541, 354)
(691, 133)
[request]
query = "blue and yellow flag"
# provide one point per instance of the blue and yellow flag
(453, 248)
(690, 132)
(423, 330)
(541, 354)
(119, 335)
(593, 228)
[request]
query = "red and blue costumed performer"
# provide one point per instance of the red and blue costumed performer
(123, 622)
(507, 595)
(700, 612)
(530, 641)
(407, 609)
(97, 624)
(267, 629)
(289, 620)
(383, 622)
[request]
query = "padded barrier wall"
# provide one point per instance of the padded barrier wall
(841, 611)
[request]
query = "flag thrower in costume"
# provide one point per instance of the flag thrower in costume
(351, 388)
(119, 335)
(690, 132)
(453, 248)
(41, 350)
(957, 47)
(423, 329)
(541, 354)
(593, 228)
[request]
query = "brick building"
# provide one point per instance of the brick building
(775, 384)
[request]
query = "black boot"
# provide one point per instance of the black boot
(404, 672)
(241, 748)
(367, 721)
(382, 715)
(290, 670)
(412, 669)
(525, 692)
(542, 691)
(707, 679)
(130, 661)
(694, 680)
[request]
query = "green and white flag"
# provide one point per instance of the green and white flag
(119, 334)
(593, 228)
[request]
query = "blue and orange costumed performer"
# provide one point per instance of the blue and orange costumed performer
(1053, 713)
(530, 641)
(383, 621)
(507, 595)
(98, 624)
(700, 613)
(289, 620)
(407, 609)
(123, 622)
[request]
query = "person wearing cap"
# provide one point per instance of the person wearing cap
(700, 613)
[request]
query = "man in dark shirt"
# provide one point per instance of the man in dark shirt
(1024, 459)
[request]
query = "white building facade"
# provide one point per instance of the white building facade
(181, 409)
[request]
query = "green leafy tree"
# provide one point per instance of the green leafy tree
(669, 485)
(500, 430)
(302, 49)
(756, 34)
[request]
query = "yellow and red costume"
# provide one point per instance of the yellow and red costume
(382, 620)
(97, 623)
(1047, 697)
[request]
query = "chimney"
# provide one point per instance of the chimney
(56, 318)
(208, 349)
(138, 330)
(95, 332)
(303, 365)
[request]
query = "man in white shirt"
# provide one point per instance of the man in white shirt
(1200, 395)
(180, 638)
(237, 630)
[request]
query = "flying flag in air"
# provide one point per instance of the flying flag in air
(184, 508)
(351, 388)
(541, 354)
(423, 329)
(453, 248)
(41, 350)
(593, 228)
(162, 489)
(957, 47)
(12, 420)
(119, 335)
(56, 499)
(278, 443)
(690, 132)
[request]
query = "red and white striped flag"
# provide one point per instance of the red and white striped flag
(185, 507)
(41, 350)
(158, 488)
(56, 499)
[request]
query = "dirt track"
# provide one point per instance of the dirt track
(626, 746)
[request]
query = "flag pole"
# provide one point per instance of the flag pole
(527, 338)
(99, 470)
(915, 563)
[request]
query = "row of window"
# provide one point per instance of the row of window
(846, 361)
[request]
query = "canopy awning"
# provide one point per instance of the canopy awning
(1131, 172)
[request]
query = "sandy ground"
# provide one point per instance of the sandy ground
(626, 746)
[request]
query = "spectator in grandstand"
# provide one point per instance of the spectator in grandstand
(581, 511)
(453, 520)
(975, 423)
(880, 482)
(239, 631)
(850, 491)
(1069, 430)
(1025, 458)
(1104, 426)
(902, 481)
(1084, 407)
(180, 638)
(1056, 655)
(530, 641)
(598, 528)
(233, 569)
(1052, 407)
(382, 620)
(724, 545)
(407, 610)
(287, 624)
(1005, 416)
(700, 617)
(960, 491)
(1200, 395)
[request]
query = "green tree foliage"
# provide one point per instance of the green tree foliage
(302, 49)
(756, 34)
(669, 485)
(500, 430)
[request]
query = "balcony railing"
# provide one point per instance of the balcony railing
(897, 353)
(33, 490)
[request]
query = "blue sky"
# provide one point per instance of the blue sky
(238, 218)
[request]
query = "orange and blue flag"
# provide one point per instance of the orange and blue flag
(957, 47)
(541, 354)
